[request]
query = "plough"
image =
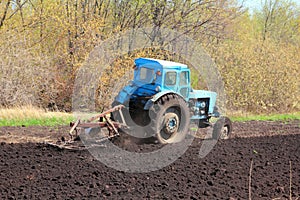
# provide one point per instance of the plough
(90, 131)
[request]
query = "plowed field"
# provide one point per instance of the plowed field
(261, 161)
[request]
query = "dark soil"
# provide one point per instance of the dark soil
(37, 171)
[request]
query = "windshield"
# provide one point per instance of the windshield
(146, 75)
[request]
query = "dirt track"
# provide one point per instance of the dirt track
(37, 171)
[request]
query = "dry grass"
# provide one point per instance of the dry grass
(250, 180)
(29, 112)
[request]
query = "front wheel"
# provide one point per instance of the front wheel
(222, 128)
(170, 119)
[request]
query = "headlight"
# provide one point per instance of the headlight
(202, 104)
(158, 89)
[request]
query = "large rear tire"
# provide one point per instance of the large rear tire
(170, 119)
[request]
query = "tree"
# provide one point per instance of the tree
(278, 20)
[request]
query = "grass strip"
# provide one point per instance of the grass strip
(52, 121)
(272, 117)
(32, 116)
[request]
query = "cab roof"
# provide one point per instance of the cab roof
(159, 63)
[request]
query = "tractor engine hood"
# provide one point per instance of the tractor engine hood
(212, 96)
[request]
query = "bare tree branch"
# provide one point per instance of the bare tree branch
(5, 13)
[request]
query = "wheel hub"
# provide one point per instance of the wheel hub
(224, 132)
(171, 123)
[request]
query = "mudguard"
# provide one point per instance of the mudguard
(150, 102)
(125, 93)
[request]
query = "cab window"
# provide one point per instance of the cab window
(170, 78)
(146, 75)
(184, 78)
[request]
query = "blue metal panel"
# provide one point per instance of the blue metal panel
(195, 94)
(125, 94)
(146, 90)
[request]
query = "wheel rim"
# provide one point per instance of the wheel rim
(225, 132)
(170, 125)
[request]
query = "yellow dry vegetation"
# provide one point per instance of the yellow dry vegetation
(29, 112)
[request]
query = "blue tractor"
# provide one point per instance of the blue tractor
(160, 100)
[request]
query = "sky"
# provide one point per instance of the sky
(251, 4)
(256, 4)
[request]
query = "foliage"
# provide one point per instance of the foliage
(44, 43)
(261, 70)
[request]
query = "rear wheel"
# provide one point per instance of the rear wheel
(136, 119)
(169, 119)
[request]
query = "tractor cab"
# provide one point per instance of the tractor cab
(153, 76)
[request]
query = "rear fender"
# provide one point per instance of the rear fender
(125, 94)
(157, 96)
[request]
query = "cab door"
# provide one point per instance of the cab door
(171, 81)
(184, 84)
